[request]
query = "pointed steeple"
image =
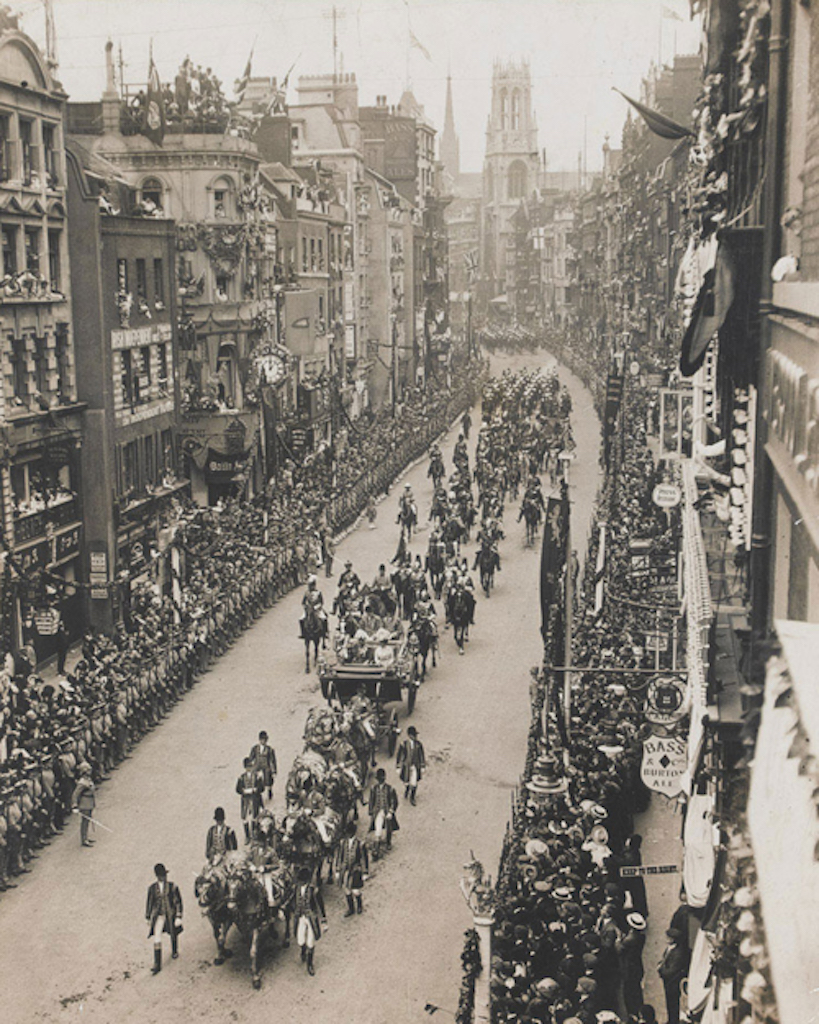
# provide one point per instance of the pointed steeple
(450, 148)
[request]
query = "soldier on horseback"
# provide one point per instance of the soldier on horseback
(349, 578)
(314, 599)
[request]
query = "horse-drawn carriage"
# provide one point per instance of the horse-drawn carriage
(380, 673)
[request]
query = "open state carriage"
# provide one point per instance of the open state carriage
(380, 674)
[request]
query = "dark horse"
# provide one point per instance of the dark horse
(531, 512)
(249, 909)
(407, 517)
(426, 639)
(315, 630)
(436, 469)
(487, 561)
(435, 567)
(211, 895)
(461, 610)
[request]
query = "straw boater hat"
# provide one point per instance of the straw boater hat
(636, 921)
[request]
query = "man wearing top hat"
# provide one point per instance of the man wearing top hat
(382, 807)
(83, 801)
(410, 762)
(163, 912)
(263, 757)
(250, 786)
(221, 838)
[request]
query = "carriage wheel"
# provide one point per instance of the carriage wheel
(412, 693)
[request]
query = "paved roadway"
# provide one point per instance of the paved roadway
(72, 937)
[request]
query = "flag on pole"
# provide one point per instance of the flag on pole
(611, 412)
(471, 261)
(153, 114)
(416, 42)
(553, 555)
(241, 83)
(668, 13)
(665, 127)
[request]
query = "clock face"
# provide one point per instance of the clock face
(271, 369)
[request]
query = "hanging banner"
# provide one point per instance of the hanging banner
(553, 555)
(665, 761)
(614, 394)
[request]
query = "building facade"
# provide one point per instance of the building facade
(40, 470)
(125, 312)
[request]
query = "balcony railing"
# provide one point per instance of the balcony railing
(31, 525)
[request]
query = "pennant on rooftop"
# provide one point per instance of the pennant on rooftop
(665, 127)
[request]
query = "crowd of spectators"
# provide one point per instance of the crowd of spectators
(234, 560)
(569, 931)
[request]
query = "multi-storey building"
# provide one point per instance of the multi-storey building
(204, 176)
(40, 417)
(125, 312)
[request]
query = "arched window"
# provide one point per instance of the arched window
(516, 110)
(490, 184)
(223, 199)
(504, 109)
(151, 191)
(516, 180)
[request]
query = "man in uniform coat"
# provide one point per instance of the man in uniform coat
(263, 757)
(410, 762)
(382, 807)
(351, 864)
(221, 837)
(250, 786)
(83, 800)
(163, 912)
(306, 916)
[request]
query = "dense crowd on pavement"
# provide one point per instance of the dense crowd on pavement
(569, 931)
(235, 560)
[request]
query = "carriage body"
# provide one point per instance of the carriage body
(343, 680)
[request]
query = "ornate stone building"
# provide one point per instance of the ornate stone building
(40, 418)
(510, 170)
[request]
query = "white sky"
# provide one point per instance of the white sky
(578, 50)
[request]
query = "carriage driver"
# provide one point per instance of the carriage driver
(263, 854)
(313, 598)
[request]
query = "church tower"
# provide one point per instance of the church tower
(450, 147)
(510, 169)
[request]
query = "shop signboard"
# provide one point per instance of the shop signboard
(649, 869)
(67, 544)
(665, 700)
(220, 466)
(666, 495)
(656, 642)
(665, 760)
(38, 556)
